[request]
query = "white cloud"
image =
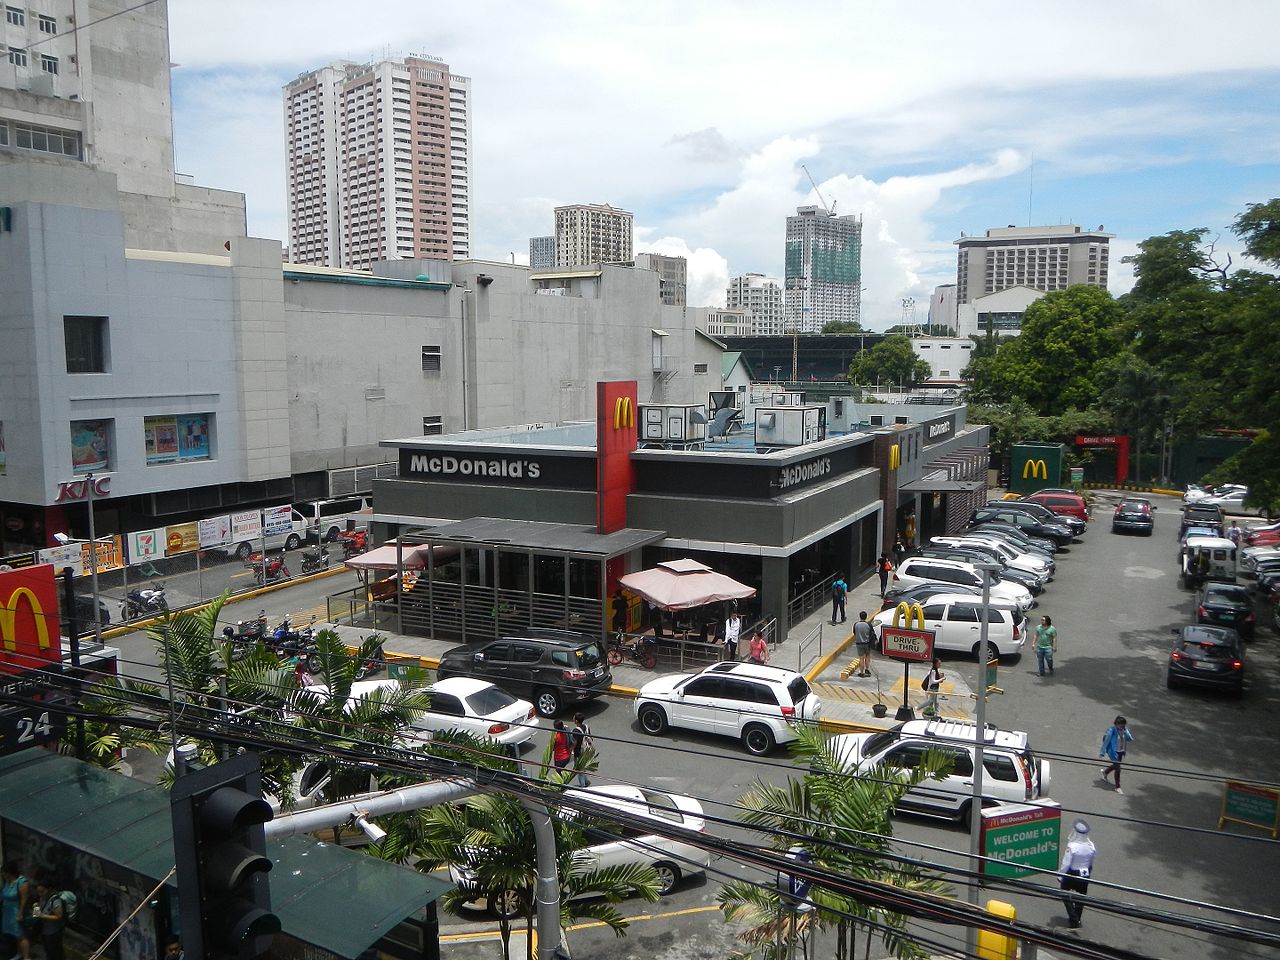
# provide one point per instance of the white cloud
(708, 270)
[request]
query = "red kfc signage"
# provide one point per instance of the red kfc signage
(79, 489)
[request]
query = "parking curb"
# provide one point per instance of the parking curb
(826, 659)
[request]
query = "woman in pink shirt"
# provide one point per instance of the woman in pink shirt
(759, 650)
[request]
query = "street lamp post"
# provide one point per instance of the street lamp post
(93, 568)
(980, 718)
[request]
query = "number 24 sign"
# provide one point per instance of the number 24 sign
(29, 727)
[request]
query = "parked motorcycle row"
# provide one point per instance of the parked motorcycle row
(291, 645)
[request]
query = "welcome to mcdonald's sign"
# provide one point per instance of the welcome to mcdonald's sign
(30, 633)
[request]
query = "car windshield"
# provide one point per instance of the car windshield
(662, 806)
(489, 700)
(1228, 594)
(878, 742)
(589, 656)
(798, 688)
(1208, 650)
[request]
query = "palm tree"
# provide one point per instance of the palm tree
(846, 820)
(490, 839)
(106, 734)
(1139, 402)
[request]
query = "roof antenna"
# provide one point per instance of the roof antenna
(1031, 188)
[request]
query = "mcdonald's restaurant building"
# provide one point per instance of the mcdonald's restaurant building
(549, 518)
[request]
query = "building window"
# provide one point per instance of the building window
(431, 359)
(432, 426)
(15, 15)
(17, 56)
(177, 438)
(4, 134)
(47, 24)
(49, 64)
(699, 368)
(86, 341)
(91, 445)
(46, 140)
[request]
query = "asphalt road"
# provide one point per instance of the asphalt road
(1114, 600)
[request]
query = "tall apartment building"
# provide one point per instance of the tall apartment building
(762, 296)
(1042, 258)
(542, 252)
(673, 276)
(823, 269)
(592, 233)
(379, 163)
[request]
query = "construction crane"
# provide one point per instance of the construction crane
(831, 210)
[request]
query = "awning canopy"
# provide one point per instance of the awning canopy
(325, 895)
(538, 536)
(413, 557)
(942, 484)
(683, 584)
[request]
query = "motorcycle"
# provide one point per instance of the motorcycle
(373, 665)
(639, 650)
(246, 633)
(313, 561)
(275, 571)
(300, 645)
(143, 603)
(353, 542)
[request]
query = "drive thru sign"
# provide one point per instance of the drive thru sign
(1021, 838)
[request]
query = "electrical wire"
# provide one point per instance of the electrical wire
(78, 27)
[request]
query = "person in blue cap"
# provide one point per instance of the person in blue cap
(1077, 867)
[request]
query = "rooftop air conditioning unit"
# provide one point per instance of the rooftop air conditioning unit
(788, 399)
(660, 423)
(790, 426)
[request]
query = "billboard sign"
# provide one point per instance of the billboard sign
(277, 520)
(30, 638)
(181, 538)
(1021, 839)
(246, 525)
(145, 545)
(215, 531)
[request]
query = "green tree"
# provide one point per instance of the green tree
(842, 326)
(891, 361)
(1169, 262)
(844, 814)
(1139, 404)
(107, 734)
(1259, 228)
(1258, 467)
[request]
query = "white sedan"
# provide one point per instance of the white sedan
(476, 707)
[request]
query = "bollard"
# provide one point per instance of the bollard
(997, 946)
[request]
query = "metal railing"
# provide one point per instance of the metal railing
(803, 604)
(813, 636)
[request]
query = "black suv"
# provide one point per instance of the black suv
(553, 668)
(1201, 515)
(1042, 513)
(1059, 533)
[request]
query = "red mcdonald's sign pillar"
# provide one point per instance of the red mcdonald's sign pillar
(615, 439)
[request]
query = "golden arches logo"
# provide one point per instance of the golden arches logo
(911, 613)
(895, 456)
(9, 617)
(624, 413)
(1037, 469)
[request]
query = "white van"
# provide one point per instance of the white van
(290, 540)
(325, 519)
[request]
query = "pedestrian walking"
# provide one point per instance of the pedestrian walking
(884, 567)
(51, 912)
(899, 551)
(619, 611)
(932, 684)
(16, 900)
(838, 590)
(582, 741)
(1077, 867)
(864, 635)
(759, 650)
(561, 749)
(1235, 533)
(732, 633)
(1114, 743)
(1046, 644)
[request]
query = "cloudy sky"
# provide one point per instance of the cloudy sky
(927, 118)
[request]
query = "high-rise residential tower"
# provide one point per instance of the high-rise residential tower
(823, 269)
(542, 252)
(673, 276)
(1042, 258)
(762, 296)
(379, 163)
(592, 233)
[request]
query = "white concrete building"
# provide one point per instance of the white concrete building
(823, 269)
(593, 233)
(1000, 312)
(673, 276)
(762, 296)
(378, 162)
(1042, 258)
(947, 356)
(942, 306)
(723, 321)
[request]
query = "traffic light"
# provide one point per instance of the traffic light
(220, 850)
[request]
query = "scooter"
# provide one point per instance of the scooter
(246, 633)
(290, 644)
(313, 561)
(639, 650)
(373, 665)
(143, 603)
(276, 571)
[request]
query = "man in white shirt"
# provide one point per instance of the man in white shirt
(732, 631)
(1077, 866)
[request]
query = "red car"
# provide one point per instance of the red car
(1067, 504)
(1263, 536)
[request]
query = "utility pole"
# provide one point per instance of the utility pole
(980, 731)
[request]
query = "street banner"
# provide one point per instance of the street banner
(246, 525)
(1253, 806)
(277, 520)
(215, 531)
(110, 555)
(1021, 838)
(181, 538)
(146, 545)
(15, 560)
(63, 556)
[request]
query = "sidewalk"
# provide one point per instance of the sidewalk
(813, 647)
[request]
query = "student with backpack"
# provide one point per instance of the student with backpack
(53, 910)
(582, 742)
(838, 590)
(931, 684)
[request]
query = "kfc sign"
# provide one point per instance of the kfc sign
(79, 489)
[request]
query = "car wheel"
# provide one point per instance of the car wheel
(243, 551)
(292, 542)
(506, 904)
(332, 535)
(668, 877)
(615, 657)
(992, 650)
(757, 739)
(547, 701)
(652, 720)
(966, 811)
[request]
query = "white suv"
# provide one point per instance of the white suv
(1040, 566)
(754, 703)
(917, 570)
(1012, 773)
(956, 619)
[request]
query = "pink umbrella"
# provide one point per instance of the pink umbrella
(683, 584)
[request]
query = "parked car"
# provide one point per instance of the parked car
(85, 615)
(1012, 773)
(1196, 493)
(956, 619)
(1061, 502)
(1042, 513)
(755, 703)
(1204, 656)
(1032, 563)
(915, 570)
(1015, 537)
(973, 553)
(1265, 573)
(1134, 513)
(1227, 605)
(553, 668)
(476, 707)
(921, 592)
(1017, 516)
(1267, 535)
(672, 860)
(1251, 557)
(1201, 515)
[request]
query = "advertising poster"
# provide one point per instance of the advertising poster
(246, 525)
(215, 531)
(110, 555)
(277, 520)
(30, 600)
(161, 434)
(67, 555)
(193, 436)
(90, 445)
(146, 545)
(181, 538)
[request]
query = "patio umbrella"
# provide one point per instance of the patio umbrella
(683, 584)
